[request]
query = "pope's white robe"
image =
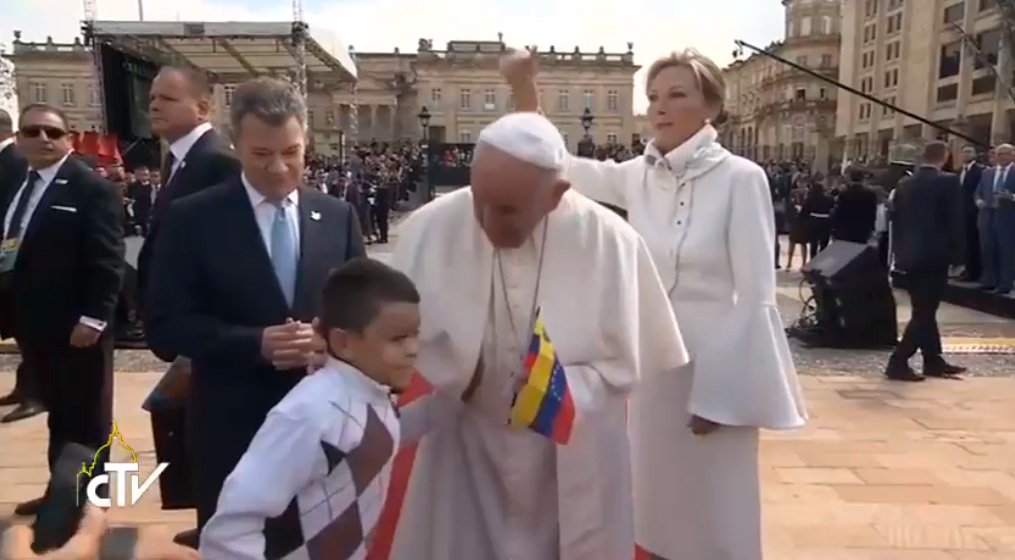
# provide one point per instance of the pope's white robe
(706, 216)
(480, 489)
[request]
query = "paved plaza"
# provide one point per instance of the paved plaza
(884, 470)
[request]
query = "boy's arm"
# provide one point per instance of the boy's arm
(283, 458)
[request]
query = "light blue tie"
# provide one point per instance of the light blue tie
(283, 252)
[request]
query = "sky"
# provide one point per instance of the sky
(656, 27)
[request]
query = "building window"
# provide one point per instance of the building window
(329, 118)
(892, 78)
(951, 60)
(39, 94)
(93, 96)
(826, 25)
(826, 61)
(867, 85)
(989, 44)
(870, 8)
(805, 26)
(802, 60)
(894, 23)
(566, 141)
(984, 85)
(612, 100)
(822, 93)
(893, 50)
(511, 102)
(435, 95)
(589, 100)
(949, 92)
(887, 111)
(465, 99)
(227, 94)
(955, 13)
(867, 59)
(490, 100)
(67, 94)
(870, 33)
(563, 101)
(800, 95)
(865, 111)
(611, 138)
(987, 4)
(464, 137)
(895, 4)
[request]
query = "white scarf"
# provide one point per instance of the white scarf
(696, 156)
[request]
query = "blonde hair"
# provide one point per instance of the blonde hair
(707, 74)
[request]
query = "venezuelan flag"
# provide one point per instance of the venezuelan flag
(544, 403)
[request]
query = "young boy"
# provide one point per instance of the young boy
(312, 483)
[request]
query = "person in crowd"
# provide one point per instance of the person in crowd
(197, 158)
(797, 224)
(969, 175)
(995, 201)
(61, 262)
(502, 266)
(816, 213)
(13, 169)
(142, 194)
(236, 280)
(706, 216)
(927, 225)
(856, 209)
(336, 425)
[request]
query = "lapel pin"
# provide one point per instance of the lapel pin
(315, 216)
(60, 181)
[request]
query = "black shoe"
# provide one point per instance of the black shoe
(24, 410)
(944, 370)
(903, 373)
(188, 538)
(966, 277)
(987, 287)
(31, 507)
(1000, 292)
(10, 398)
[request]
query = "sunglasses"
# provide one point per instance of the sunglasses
(52, 132)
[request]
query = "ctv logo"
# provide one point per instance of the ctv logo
(123, 495)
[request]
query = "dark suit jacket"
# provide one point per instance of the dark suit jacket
(12, 171)
(928, 231)
(71, 261)
(142, 197)
(212, 292)
(856, 209)
(209, 162)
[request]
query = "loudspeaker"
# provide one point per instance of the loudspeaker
(855, 304)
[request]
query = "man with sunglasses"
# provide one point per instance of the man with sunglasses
(61, 261)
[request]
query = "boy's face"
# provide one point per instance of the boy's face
(386, 349)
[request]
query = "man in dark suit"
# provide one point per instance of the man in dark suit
(927, 233)
(62, 262)
(142, 195)
(855, 211)
(970, 175)
(236, 279)
(198, 157)
(13, 168)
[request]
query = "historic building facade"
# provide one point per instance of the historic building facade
(944, 60)
(778, 113)
(460, 87)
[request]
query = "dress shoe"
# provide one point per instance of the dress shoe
(1000, 292)
(10, 398)
(943, 370)
(987, 287)
(24, 410)
(31, 507)
(188, 538)
(903, 373)
(966, 277)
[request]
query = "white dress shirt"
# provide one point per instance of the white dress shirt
(264, 213)
(181, 147)
(46, 176)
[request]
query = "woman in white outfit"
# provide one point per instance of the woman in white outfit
(707, 218)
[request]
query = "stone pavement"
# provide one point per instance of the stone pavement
(884, 471)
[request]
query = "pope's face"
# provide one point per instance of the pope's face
(511, 197)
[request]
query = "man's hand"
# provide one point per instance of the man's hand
(84, 545)
(288, 346)
(518, 68)
(980, 203)
(702, 426)
(83, 336)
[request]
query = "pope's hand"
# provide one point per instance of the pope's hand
(518, 67)
(84, 545)
(702, 426)
(288, 346)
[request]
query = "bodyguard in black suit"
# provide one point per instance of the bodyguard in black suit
(236, 280)
(62, 264)
(856, 210)
(927, 233)
(198, 157)
(969, 176)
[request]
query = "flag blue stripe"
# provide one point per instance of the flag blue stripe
(552, 399)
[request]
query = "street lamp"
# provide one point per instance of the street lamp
(587, 147)
(424, 146)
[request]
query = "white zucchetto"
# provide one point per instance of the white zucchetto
(530, 137)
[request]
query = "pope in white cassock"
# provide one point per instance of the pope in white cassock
(484, 259)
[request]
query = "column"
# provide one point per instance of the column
(998, 120)
(373, 123)
(393, 122)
